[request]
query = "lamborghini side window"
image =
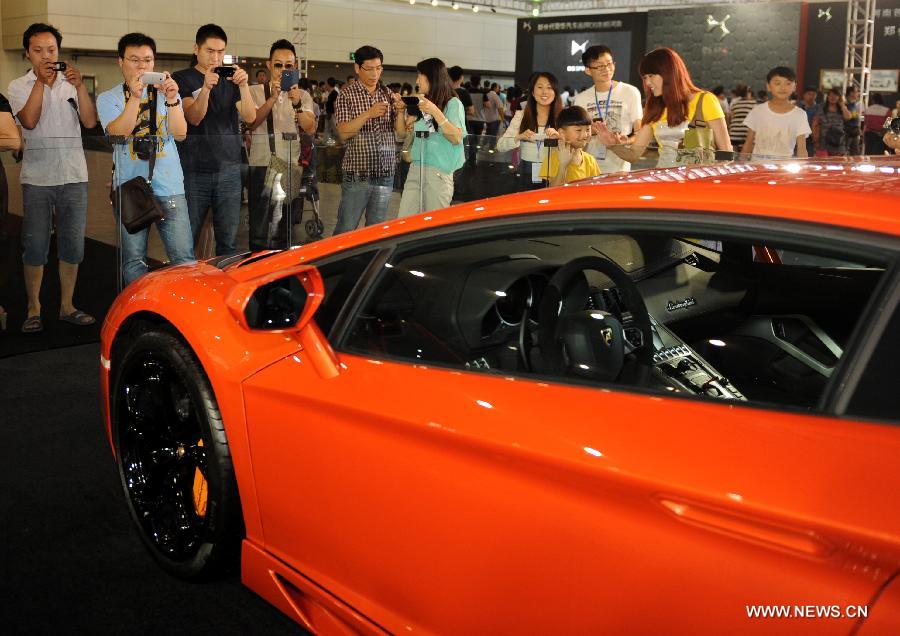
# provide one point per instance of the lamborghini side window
(876, 396)
(340, 277)
(689, 316)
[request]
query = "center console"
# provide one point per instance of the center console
(679, 368)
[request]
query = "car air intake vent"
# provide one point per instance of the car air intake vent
(257, 258)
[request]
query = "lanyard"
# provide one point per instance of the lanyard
(597, 102)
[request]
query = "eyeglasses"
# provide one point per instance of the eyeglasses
(372, 69)
(280, 65)
(602, 67)
(138, 60)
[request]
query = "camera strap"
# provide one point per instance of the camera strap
(270, 120)
(152, 103)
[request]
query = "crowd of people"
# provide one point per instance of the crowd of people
(182, 134)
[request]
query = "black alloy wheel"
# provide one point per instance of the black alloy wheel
(173, 457)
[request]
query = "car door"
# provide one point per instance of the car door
(433, 494)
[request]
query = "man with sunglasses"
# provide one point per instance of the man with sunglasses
(364, 112)
(616, 103)
(279, 107)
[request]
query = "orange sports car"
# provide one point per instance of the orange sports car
(659, 403)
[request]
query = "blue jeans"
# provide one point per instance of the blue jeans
(70, 203)
(358, 195)
(175, 232)
(221, 191)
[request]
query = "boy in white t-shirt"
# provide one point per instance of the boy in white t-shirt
(616, 103)
(777, 127)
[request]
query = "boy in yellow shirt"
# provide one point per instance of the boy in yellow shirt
(570, 163)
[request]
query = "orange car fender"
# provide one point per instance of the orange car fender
(228, 353)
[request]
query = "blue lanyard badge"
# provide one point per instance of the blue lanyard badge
(599, 150)
(597, 102)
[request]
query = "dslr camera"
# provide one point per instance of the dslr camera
(142, 147)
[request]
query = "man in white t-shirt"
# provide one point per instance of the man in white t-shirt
(777, 127)
(616, 103)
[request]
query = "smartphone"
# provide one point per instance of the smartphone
(412, 106)
(224, 72)
(60, 66)
(228, 60)
(152, 78)
(289, 78)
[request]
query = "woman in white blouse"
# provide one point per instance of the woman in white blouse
(526, 130)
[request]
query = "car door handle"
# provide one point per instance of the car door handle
(749, 527)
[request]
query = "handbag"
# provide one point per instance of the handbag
(133, 200)
(277, 165)
(698, 145)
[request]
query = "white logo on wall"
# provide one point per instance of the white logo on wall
(576, 47)
(825, 13)
(712, 23)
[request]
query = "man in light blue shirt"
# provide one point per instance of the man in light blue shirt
(125, 111)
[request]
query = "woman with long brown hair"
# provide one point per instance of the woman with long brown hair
(437, 149)
(526, 129)
(671, 103)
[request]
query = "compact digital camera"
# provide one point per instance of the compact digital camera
(60, 67)
(225, 72)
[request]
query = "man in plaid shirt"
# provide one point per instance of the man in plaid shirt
(365, 119)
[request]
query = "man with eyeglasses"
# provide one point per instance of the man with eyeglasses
(136, 111)
(211, 154)
(616, 103)
(364, 112)
(278, 108)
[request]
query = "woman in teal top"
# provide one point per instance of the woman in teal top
(437, 150)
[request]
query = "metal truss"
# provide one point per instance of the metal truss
(858, 51)
(300, 33)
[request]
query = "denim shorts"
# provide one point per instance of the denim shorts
(69, 202)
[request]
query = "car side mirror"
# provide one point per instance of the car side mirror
(283, 300)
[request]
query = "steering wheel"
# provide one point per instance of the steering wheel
(591, 343)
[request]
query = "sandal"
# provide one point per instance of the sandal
(32, 324)
(79, 318)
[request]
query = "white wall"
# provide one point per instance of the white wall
(406, 33)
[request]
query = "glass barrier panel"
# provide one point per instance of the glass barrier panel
(57, 241)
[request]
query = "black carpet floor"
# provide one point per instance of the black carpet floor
(70, 560)
(94, 292)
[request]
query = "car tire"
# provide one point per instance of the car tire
(173, 457)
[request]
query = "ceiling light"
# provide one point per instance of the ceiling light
(434, 3)
(455, 6)
(475, 8)
(535, 12)
(412, 1)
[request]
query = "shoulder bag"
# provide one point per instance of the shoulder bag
(134, 200)
(277, 165)
(699, 144)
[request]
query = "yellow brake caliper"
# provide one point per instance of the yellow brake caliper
(200, 490)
